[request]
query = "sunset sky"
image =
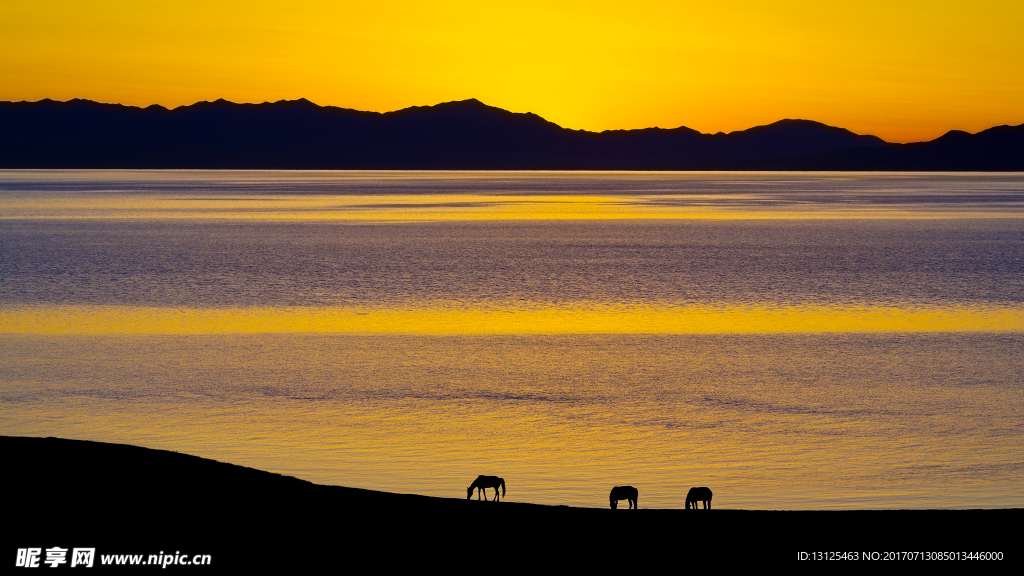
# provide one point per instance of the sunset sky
(903, 70)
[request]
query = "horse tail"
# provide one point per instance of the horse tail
(502, 487)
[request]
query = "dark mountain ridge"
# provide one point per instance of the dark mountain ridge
(298, 134)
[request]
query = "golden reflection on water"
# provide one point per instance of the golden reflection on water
(466, 207)
(768, 421)
(581, 319)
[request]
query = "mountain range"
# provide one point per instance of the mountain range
(465, 135)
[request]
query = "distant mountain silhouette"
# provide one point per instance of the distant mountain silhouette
(997, 149)
(454, 135)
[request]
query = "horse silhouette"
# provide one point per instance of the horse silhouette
(623, 493)
(482, 483)
(702, 494)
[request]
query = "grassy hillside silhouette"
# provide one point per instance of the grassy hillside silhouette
(130, 500)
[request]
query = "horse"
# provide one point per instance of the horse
(482, 483)
(697, 495)
(623, 493)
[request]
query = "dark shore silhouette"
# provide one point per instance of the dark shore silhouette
(465, 135)
(130, 500)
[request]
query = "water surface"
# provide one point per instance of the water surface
(791, 340)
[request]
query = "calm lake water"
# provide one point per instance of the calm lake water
(793, 341)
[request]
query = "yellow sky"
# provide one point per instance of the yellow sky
(902, 70)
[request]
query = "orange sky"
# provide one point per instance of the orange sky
(904, 71)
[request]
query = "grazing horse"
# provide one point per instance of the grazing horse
(623, 493)
(702, 494)
(482, 483)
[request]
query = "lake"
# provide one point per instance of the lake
(791, 340)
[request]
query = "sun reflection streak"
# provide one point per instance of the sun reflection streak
(581, 319)
(466, 207)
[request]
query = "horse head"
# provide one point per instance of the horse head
(469, 493)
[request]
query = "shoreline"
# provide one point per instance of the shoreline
(131, 500)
